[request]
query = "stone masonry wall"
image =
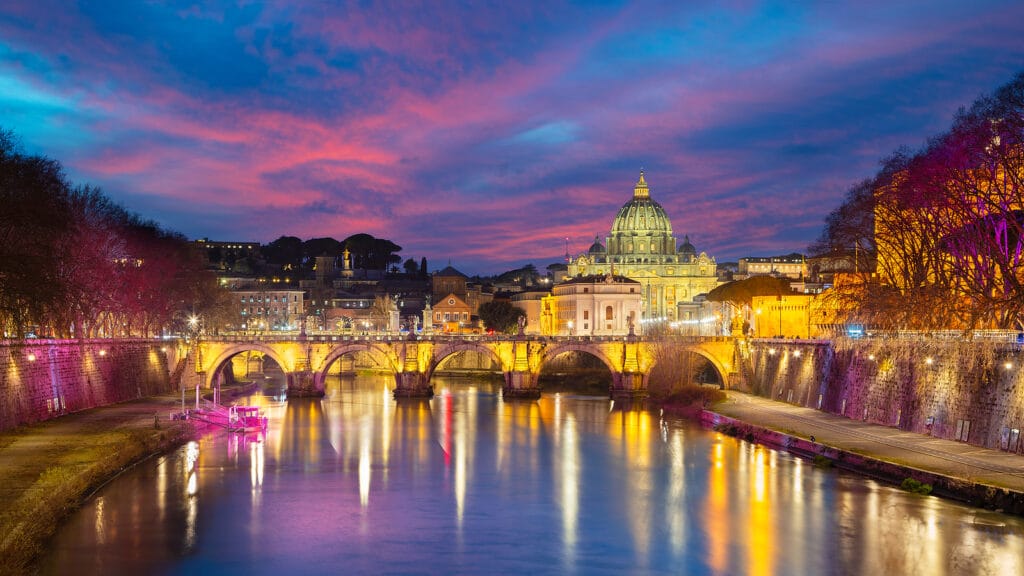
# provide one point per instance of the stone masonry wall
(42, 379)
(968, 391)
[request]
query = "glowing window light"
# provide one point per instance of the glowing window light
(771, 351)
(796, 353)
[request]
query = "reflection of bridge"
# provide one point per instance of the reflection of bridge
(307, 359)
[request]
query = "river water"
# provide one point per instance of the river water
(465, 483)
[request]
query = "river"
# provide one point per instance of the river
(466, 483)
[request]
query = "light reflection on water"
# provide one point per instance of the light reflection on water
(468, 483)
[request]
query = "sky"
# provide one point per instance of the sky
(491, 135)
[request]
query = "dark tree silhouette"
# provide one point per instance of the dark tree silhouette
(500, 316)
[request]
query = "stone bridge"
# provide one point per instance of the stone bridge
(307, 359)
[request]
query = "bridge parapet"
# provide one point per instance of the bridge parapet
(393, 337)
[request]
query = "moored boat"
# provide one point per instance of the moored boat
(246, 419)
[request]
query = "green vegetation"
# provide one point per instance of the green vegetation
(820, 461)
(911, 485)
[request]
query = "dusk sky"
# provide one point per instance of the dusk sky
(487, 134)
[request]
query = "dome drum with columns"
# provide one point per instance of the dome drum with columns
(641, 246)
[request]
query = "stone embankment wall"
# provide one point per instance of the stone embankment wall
(957, 390)
(42, 379)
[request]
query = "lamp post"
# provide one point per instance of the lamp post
(570, 328)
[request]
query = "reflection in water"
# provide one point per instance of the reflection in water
(467, 483)
(675, 501)
(569, 482)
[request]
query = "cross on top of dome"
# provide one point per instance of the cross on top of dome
(641, 190)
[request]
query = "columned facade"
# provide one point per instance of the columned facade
(592, 306)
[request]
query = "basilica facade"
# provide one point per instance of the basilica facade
(641, 247)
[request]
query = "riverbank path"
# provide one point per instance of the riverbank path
(72, 442)
(945, 457)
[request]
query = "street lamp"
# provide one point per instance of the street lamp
(570, 327)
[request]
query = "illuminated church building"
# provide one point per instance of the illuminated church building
(641, 246)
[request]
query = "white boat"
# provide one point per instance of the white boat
(246, 419)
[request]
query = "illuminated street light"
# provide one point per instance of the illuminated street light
(31, 357)
(928, 361)
(103, 352)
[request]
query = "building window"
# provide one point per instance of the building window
(586, 290)
(586, 314)
(608, 313)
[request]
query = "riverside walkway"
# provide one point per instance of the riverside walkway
(955, 460)
(47, 468)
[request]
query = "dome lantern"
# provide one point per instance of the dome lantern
(641, 190)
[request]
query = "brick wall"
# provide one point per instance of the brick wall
(970, 391)
(42, 379)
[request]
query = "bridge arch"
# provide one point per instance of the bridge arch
(444, 352)
(710, 356)
(381, 353)
(225, 355)
(596, 351)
